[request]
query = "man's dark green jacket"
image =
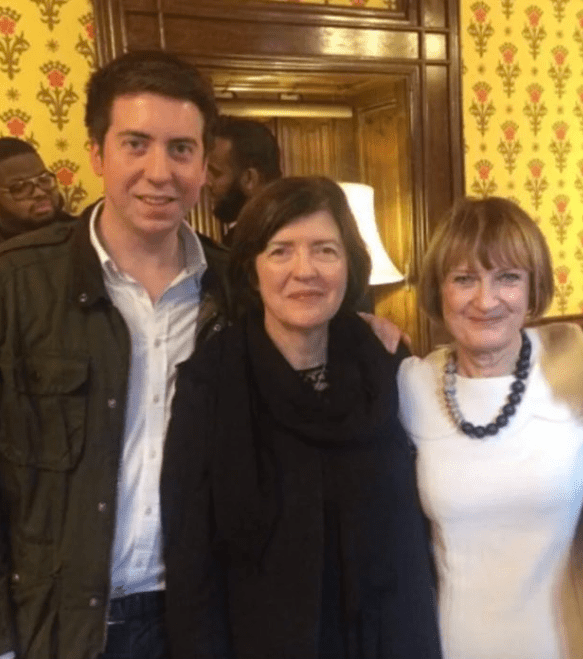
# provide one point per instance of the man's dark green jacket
(64, 358)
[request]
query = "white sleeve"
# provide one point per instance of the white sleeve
(405, 376)
(8, 655)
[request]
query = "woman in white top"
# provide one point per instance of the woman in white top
(496, 418)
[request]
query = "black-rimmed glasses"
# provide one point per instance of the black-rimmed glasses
(46, 181)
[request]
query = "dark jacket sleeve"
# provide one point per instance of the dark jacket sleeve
(197, 617)
(7, 632)
(7, 623)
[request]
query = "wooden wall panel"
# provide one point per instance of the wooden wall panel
(323, 146)
(418, 45)
(316, 146)
(384, 136)
(438, 143)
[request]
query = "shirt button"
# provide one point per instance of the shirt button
(111, 403)
(15, 577)
(83, 298)
(217, 327)
(157, 343)
(152, 454)
(148, 511)
(102, 506)
(156, 398)
(94, 602)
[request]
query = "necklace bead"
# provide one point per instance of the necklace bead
(517, 389)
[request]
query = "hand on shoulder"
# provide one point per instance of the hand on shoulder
(387, 332)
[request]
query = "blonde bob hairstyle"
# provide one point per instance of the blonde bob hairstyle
(492, 232)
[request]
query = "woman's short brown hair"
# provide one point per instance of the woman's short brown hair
(282, 202)
(492, 232)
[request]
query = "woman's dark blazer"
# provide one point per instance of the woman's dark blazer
(255, 588)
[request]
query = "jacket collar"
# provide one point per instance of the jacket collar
(86, 285)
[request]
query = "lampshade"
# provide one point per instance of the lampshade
(361, 201)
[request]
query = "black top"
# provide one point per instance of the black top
(291, 522)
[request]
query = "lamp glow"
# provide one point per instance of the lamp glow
(361, 201)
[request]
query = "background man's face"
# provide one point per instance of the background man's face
(223, 182)
(37, 209)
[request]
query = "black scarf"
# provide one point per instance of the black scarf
(255, 378)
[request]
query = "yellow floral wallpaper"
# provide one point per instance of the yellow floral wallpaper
(523, 121)
(47, 51)
(522, 106)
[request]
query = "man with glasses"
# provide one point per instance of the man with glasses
(29, 197)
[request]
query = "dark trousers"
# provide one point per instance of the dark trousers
(136, 628)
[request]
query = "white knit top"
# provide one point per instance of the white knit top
(503, 509)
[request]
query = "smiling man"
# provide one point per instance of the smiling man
(94, 318)
(29, 196)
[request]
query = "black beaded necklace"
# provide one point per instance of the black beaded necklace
(517, 389)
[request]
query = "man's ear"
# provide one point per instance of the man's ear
(96, 158)
(250, 180)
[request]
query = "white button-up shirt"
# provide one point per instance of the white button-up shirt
(162, 335)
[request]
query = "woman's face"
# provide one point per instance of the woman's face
(483, 309)
(302, 274)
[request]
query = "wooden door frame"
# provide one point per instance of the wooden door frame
(419, 42)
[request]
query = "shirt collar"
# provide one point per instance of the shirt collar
(194, 254)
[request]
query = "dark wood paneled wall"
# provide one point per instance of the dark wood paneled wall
(418, 45)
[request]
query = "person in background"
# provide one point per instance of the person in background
(290, 516)
(244, 159)
(94, 317)
(29, 196)
(497, 421)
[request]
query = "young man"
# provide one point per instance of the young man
(245, 157)
(29, 196)
(94, 317)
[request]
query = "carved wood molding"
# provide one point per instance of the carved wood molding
(419, 45)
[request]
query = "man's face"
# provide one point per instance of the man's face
(223, 182)
(35, 209)
(152, 163)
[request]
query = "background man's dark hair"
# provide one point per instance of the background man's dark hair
(145, 71)
(253, 145)
(11, 146)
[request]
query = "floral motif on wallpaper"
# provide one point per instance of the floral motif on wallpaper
(533, 32)
(481, 28)
(523, 121)
(47, 52)
(86, 42)
(55, 95)
(73, 191)
(12, 44)
(50, 11)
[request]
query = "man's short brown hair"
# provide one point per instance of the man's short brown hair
(145, 71)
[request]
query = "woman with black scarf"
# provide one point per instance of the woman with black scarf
(291, 523)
